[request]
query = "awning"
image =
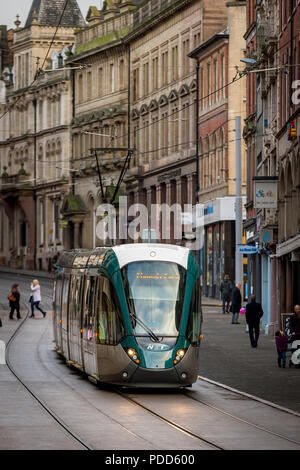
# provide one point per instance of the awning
(289, 246)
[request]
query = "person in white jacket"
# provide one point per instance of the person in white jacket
(36, 298)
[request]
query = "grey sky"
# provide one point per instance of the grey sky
(10, 8)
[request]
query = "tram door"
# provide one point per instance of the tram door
(110, 329)
(88, 326)
(57, 312)
(75, 298)
(64, 318)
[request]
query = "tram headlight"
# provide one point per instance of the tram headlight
(133, 355)
(179, 355)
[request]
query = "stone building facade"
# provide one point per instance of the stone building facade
(144, 73)
(163, 105)
(35, 140)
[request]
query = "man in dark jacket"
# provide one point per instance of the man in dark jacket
(254, 312)
(226, 288)
(236, 304)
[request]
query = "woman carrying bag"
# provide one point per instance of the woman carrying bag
(14, 301)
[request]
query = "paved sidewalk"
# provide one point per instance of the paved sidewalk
(228, 358)
(27, 272)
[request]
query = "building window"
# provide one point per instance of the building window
(100, 81)
(41, 222)
(174, 66)
(121, 72)
(201, 87)
(185, 59)
(80, 87)
(215, 81)
(209, 84)
(112, 77)
(89, 85)
(56, 219)
(223, 76)
(164, 135)
(146, 78)
(135, 84)
(155, 73)
(164, 68)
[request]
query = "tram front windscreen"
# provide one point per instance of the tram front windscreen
(155, 296)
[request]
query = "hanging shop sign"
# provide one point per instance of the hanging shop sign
(266, 236)
(265, 192)
(291, 130)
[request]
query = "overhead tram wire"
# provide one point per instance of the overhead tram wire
(234, 80)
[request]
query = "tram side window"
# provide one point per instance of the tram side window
(57, 296)
(195, 317)
(75, 294)
(110, 328)
(65, 295)
(88, 313)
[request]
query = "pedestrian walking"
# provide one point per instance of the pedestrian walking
(295, 321)
(254, 312)
(236, 303)
(35, 298)
(281, 346)
(14, 301)
(226, 289)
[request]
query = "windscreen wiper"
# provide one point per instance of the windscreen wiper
(146, 328)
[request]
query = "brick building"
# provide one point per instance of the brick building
(219, 104)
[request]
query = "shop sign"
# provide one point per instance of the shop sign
(247, 249)
(265, 193)
(250, 234)
(63, 223)
(266, 236)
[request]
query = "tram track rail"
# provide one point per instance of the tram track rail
(171, 423)
(36, 398)
(241, 420)
(147, 409)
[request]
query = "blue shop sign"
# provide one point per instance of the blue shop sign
(247, 249)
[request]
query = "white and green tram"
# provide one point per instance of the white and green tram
(130, 315)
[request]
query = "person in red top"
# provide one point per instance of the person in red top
(281, 346)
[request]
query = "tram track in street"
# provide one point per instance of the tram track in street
(236, 418)
(35, 397)
(171, 423)
(157, 414)
(62, 423)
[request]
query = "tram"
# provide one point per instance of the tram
(130, 315)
